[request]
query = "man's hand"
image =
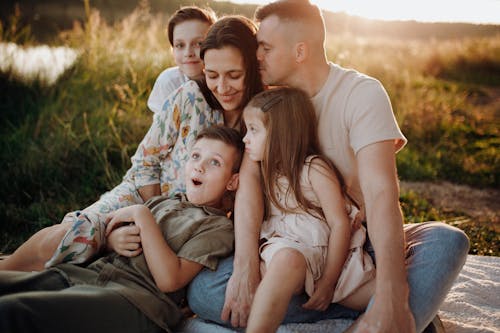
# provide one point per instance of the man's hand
(387, 315)
(239, 296)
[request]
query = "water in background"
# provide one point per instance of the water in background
(43, 63)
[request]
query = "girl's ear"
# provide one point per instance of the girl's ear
(301, 52)
(232, 184)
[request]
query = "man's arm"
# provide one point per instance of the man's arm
(390, 310)
(249, 211)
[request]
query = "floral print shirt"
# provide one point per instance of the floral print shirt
(161, 155)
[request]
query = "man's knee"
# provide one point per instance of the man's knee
(454, 239)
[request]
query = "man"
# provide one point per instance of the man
(359, 133)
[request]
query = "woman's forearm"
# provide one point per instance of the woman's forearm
(249, 212)
(149, 191)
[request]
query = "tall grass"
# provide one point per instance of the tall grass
(62, 145)
(446, 97)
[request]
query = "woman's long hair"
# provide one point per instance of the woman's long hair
(239, 32)
(291, 125)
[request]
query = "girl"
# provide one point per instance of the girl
(307, 238)
(231, 79)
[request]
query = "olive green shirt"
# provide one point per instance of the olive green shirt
(196, 233)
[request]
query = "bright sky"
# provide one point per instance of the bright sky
(472, 11)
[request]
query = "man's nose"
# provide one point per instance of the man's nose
(260, 53)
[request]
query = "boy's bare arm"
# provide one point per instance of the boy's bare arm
(169, 271)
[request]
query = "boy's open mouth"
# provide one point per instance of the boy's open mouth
(196, 182)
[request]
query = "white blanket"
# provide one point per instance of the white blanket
(472, 305)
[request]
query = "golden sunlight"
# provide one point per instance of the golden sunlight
(478, 11)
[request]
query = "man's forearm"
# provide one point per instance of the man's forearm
(378, 180)
(385, 229)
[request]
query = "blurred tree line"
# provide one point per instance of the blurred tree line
(48, 17)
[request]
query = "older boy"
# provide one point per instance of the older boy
(187, 28)
(144, 293)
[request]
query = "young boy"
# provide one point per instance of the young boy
(141, 294)
(187, 28)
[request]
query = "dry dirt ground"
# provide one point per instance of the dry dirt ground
(482, 205)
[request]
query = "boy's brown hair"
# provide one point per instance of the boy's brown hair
(227, 135)
(189, 13)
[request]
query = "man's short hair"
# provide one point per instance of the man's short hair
(292, 10)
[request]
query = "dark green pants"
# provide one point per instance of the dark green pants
(44, 302)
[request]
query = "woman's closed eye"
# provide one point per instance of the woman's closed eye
(235, 76)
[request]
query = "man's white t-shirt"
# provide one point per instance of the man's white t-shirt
(353, 111)
(167, 82)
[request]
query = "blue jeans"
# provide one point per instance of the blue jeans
(435, 255)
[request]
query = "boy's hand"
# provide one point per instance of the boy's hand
(120, 216)
(125, 241)
(322, 296)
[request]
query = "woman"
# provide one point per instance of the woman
(231, 79)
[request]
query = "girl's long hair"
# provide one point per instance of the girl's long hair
(292, 136)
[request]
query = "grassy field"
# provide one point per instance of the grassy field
(62, 145)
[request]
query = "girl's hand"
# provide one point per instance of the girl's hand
(322, 296)
(125, 241)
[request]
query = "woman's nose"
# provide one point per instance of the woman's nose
(222, 86)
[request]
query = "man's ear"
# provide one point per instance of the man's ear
(232, 184)
(301, 52)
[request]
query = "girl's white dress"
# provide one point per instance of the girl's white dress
(309, 235)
